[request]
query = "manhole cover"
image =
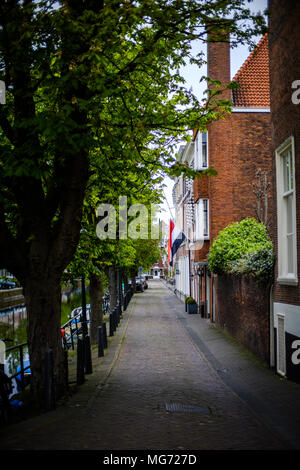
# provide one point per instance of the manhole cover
(180, 407)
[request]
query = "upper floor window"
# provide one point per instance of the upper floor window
(205, 217)
(201, 154)
(286, 213)
(204, 149)
(201, 219)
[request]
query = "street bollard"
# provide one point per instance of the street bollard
(49, 381)
(80, 361)
(111, 325)
(88, 356)
(66, 368)
(104, 335)
(100, 342)
(117, 316)
(114, 319)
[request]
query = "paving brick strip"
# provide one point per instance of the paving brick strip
(169, 381)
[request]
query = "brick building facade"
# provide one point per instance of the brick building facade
(237, 147)
(242, 307)
(284, 51)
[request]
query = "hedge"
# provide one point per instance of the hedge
(243, 248)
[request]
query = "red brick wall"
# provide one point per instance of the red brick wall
(201, 187)
(237, 147)
(201, 255)
(284, 47)
(251, 149)
(218, 65)
(220, 186)
(242, 309)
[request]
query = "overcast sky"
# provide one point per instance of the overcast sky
(192, 75)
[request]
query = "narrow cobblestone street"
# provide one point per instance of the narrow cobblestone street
(175, 382)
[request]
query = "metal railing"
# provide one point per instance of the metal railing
(71, 333)
(71, 330)
(19, 375)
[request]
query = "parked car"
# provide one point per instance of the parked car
(7, 284)
(139, 283)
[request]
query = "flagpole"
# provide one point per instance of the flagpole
(168, 204)
(190, 280)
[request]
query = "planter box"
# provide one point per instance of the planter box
(192, 308)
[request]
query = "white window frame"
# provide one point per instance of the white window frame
(198, 151)
(199, 220)
(284, 276)
(281, 359)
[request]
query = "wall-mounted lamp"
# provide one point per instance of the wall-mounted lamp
(200, 272)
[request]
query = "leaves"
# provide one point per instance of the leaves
(95, 108)
(243, 248)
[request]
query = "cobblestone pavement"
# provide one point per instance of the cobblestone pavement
(170, 381)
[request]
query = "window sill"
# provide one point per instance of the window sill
(287, 281)
(202, 168)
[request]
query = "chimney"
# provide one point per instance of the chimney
(218, 56)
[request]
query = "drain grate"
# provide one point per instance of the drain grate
(180, 407)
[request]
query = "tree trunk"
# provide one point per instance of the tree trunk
(43, 304)
(96, 314)
(125, 281)
(112, 287)
(133, 276)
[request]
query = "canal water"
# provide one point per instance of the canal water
(13, 328)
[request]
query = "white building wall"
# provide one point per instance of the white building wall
(182, 279)
(286, 344)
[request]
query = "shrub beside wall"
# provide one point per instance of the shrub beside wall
(242, 308)
(242, 260)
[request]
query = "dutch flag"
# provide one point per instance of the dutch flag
(176, 237)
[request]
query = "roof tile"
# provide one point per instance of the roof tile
(253, 78)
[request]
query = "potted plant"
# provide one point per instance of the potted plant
(191, 305)
(186, 301)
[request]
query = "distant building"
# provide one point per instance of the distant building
(160, 269)
(157, 270)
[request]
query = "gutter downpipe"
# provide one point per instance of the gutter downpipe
(272, 358)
